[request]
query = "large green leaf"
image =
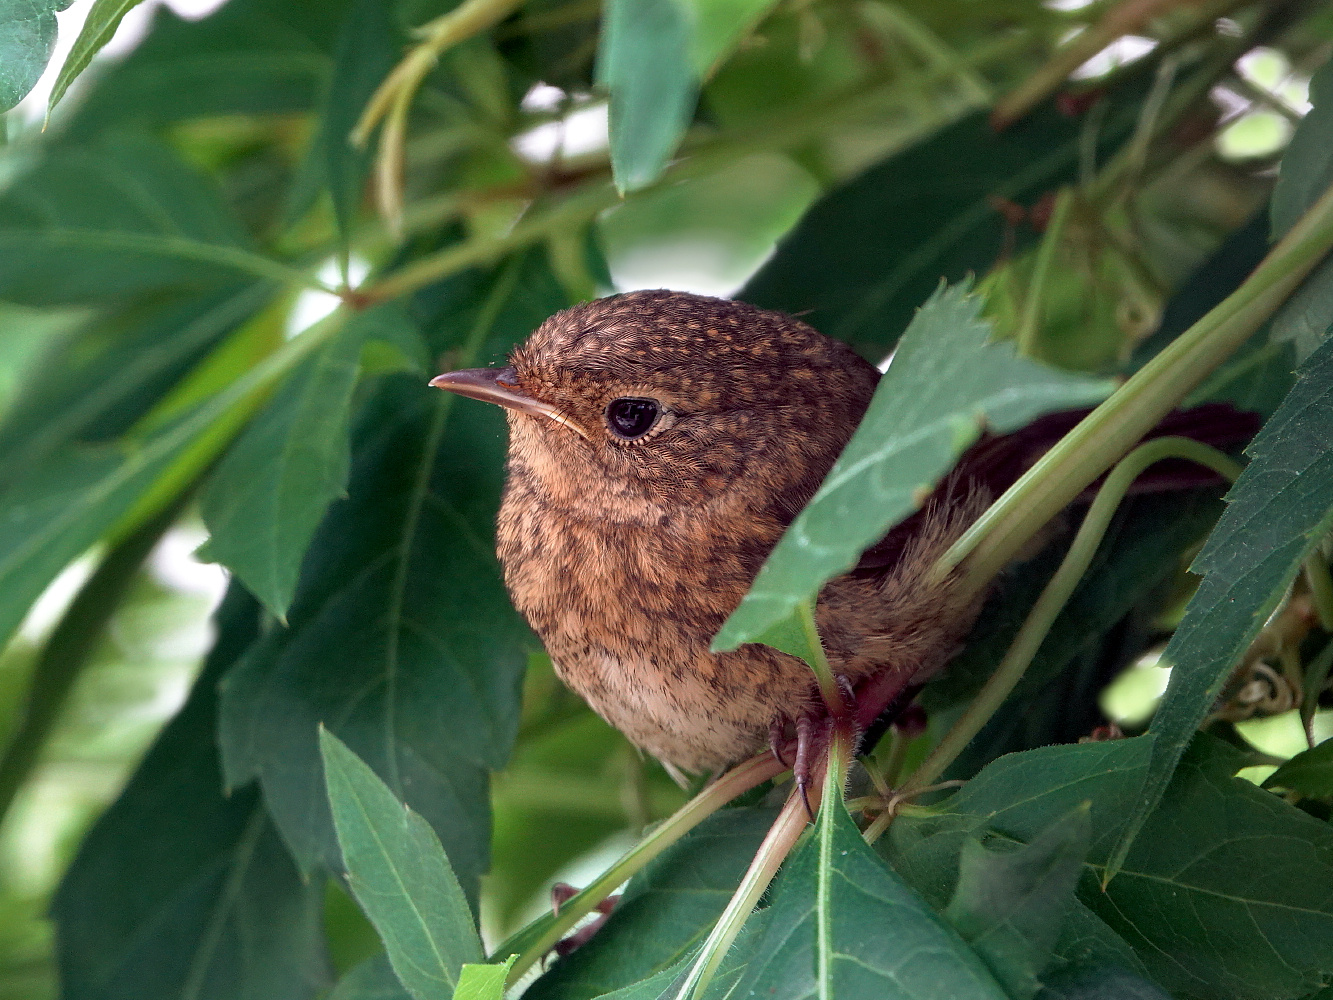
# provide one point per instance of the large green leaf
(1010, 905)
(843, 924)
(27, 39)
(644, 61)
(947, 384)
(869, 252)
(1278, 510)
(1186, 896)
(122, 216)
(665, 912)
(401, 877)
(1306, 174)
(267, 497)
(401, 638)
(181, 891)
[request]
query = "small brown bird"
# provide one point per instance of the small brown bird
(660, 443)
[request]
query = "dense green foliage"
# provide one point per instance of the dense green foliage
(375, 777)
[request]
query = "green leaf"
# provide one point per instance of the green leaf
(1278, 510)
(124, 216)
(266, 499)
(868, 253)
(645, 62)
(946, 385)
(665, 911)
(1309, 772)
(1188, 890)
(103, 19)
(27, 39)
(401, 638)
(842, 924)
(372, 979)
(483, 982)
(399, 874)
(1010, 904)
(180, 890)
(1305, 174)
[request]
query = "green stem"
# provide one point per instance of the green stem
(539, 937)
(777, 844)
(1312, 683)
(1043, 614)
(1321, 589)
(818, 660)
(1107, 433)
(69, 648)
(1030, 325)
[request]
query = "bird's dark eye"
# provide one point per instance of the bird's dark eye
(631, 417)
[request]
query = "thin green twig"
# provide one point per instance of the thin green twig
(539, 937)
(1043, 614)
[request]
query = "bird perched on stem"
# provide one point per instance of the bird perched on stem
(660, 443)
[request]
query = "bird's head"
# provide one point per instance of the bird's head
(654, 402)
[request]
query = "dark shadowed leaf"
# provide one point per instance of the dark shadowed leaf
(401, 638)
(400, 876)
(120, 217)
(1010, 904)
(1278, 510)
(665, 911)
(1186, 889)
(1306, 173)
(266, 499)
(1101, 984)
(869, 252)
(181, 891)
(946, 385)
(1310, 773)
(27, 39)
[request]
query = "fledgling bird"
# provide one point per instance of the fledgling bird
(660, 443)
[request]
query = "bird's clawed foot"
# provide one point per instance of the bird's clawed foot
(814, 730)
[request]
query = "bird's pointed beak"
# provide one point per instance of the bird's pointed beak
(500, 386)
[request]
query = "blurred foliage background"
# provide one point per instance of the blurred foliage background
(193, 210)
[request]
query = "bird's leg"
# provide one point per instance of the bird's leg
(807, 753)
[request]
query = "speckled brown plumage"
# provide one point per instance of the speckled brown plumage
(627, 556)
